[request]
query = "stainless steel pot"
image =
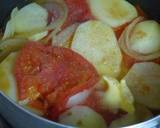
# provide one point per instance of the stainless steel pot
(19, 117)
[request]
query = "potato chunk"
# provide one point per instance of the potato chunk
(113, 12)
(96, 41)
(143, 79)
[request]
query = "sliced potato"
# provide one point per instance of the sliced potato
(143, 79)
(82, 117)
(10, 27)
(9, 31)
(112, 96)
(113, 12)
(141, 114)
(145, 37)
(96, 41)
(7, 80)
(118, 96)
(127, 99)
(30, 19)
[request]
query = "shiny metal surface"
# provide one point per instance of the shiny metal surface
(18, 117)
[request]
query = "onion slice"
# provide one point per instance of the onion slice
(124, 42)
(62, 38)
(78, 98)
(60, 7)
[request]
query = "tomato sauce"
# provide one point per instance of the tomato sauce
(52, 74)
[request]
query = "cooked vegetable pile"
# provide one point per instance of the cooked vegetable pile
(84, 63)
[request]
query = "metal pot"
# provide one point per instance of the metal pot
(19, 117)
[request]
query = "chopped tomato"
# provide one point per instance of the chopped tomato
(55, 73)
(78, 11)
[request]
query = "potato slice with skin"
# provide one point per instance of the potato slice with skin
(96, 41)
(141, 114)
(143, 79)
(113, 12)
(82, 117)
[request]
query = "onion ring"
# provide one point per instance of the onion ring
(125, 39)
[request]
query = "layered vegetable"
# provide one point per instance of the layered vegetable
(83, 63)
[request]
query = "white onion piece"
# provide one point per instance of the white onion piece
(62, 11)
(83, 117)
(62, 38)
(78, 98)
(60, 8)
(38, 36)
(143, 79)
(125, 45)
